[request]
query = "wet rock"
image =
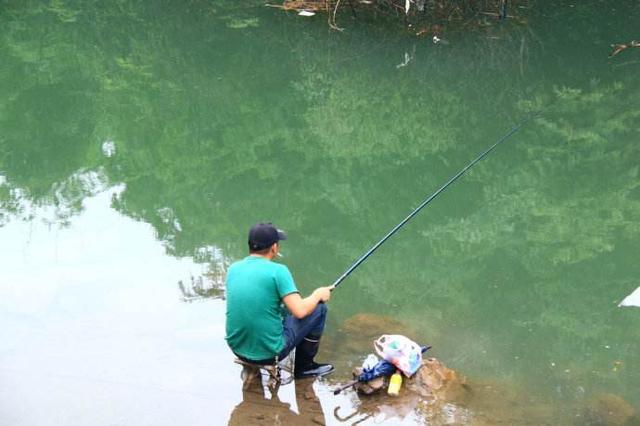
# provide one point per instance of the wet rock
(432, 391)
(436, 380)
(433, 380)
(371, 386)
(441, 395)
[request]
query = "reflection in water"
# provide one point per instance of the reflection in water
(260, 406)
(209, 285)
(63, 201)
(93, 331)
(211, 125)
(198, 288)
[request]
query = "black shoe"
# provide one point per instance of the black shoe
(313, 370)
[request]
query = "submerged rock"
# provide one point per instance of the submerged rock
(609, 409)
(373, 325)
(362, 329)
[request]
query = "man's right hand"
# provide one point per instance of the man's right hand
(300, 307)
(323, 293)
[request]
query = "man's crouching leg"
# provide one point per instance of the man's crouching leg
(305, 365)
(307, 348)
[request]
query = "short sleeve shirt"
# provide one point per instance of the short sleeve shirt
(255, 287)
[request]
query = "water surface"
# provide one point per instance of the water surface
(140, 142)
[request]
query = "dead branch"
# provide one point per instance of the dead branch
(617, 48)
(435, 11)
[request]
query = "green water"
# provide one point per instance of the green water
(138, 143)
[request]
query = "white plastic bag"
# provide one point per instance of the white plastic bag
(632, 300)
(400, 351)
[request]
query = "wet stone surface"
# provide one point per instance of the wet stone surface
(441, 395)
(434, 392)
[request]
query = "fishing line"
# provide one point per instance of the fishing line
(430, 198)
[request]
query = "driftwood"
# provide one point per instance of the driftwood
(619, 47)
(434, 10)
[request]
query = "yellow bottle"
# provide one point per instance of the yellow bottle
(394, 384)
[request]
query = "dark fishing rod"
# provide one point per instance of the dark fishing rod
(429, 199)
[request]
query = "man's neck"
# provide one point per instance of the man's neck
(264, 256)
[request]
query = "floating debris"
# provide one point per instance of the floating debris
(619, 47)
(631, 300)
(109, 148)
(407, 59)
(465, 12)
(238, 24)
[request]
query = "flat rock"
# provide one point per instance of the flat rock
(436, 380)
(433, 380)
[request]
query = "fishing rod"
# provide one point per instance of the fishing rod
(429, 199)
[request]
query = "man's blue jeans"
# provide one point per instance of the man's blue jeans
(295, 330)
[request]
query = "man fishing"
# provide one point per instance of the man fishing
(258, 329)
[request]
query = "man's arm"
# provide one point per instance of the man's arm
(300, 307)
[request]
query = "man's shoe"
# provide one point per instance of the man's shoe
(313, 370)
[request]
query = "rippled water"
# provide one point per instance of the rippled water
(139, 143)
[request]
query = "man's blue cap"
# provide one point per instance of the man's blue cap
(263, 235)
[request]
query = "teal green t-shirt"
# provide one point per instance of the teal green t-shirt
(255, 288)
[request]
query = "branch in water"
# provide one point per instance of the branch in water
(618, 47)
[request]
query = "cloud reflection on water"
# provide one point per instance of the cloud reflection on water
(94, 328)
